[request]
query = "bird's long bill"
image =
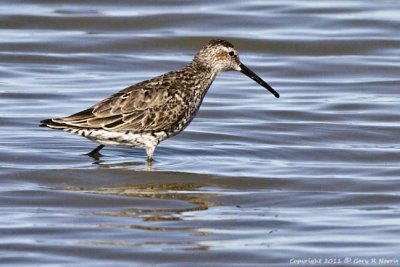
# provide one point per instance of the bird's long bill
(248, 72)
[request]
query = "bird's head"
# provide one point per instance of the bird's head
(221, 55)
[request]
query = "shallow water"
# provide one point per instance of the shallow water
(254, 180)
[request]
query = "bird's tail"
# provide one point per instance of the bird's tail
(76, 121)
(52, 124)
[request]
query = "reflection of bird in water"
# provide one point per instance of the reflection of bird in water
(188, 192)
(151, 111)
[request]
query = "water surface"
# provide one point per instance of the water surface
(252, 181)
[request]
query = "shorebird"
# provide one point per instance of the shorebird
(144, 114)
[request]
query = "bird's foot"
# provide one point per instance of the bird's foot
(95, 153)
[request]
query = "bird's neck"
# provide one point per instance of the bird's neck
(200, 65)
(201, 70)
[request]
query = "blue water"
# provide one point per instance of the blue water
(253, 181)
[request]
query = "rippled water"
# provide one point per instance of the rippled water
(253, 180)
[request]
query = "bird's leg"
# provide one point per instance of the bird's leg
(149, 166)
(95, 152)
(150, 152)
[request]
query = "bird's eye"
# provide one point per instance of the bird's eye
(231, 53)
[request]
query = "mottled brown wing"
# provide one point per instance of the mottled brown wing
(152, 105)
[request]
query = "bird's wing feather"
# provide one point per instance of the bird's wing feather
(152, 105)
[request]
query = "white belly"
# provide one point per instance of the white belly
(121, 138)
